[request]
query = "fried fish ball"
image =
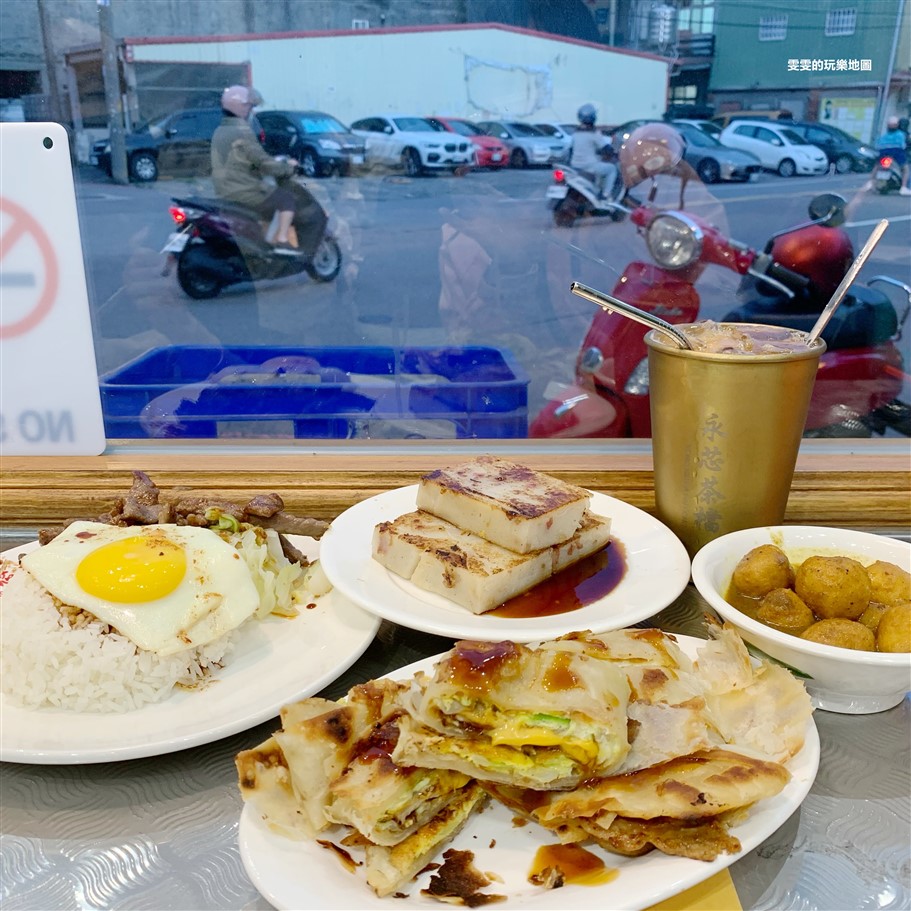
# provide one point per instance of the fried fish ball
(761, 570)
(890, 584)
(833, 587)
(782, 609)
(872, 615)
(894, 632)
(841, 632)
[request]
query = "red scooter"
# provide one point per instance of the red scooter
(861, 374)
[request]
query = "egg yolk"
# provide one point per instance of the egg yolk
(133, 570)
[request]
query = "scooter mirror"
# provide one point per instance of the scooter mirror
(828, 209)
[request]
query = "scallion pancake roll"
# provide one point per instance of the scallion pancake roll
(386, 802)
(510, 713)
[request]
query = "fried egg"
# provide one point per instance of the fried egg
(165, 587)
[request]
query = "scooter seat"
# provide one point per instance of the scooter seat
(865, 318)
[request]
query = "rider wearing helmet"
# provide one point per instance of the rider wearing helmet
(588, 147)
(239, 164)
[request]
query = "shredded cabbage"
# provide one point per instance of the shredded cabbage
(277, 579)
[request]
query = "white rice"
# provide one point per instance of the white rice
(44, 662)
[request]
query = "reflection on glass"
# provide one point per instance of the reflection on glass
(457, 251)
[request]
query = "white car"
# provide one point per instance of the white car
(777, 147)
(413, 143)
(559, 133)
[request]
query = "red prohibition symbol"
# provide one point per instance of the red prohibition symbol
(23, 225)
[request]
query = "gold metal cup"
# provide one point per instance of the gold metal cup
(726, 429)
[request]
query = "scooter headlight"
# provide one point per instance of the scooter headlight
(674, 240)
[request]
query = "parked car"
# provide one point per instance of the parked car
(177, 145)
(489, 152)
(559, 133)
(527, 144)
(777, 146)
(707, 126)
(712, 160)
(618, 135)
(413, 143)
(322, 144)
(725, 119)
(842, 149)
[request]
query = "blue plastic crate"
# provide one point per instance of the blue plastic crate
(204, 392)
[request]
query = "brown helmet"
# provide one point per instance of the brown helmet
(653, 148)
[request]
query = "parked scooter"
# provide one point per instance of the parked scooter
(860, 375)
(220, 243)
(574, 195)
(887, 177)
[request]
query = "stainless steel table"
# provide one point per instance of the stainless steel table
(161, 833)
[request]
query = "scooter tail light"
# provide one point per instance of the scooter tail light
(886, 161)
(179, 215)
(559, 175)
(637, 382)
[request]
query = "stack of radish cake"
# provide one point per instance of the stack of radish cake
(488, 530)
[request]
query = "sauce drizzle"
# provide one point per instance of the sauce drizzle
(577, 586)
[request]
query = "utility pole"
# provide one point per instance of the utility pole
(110, 71)
(50, 63)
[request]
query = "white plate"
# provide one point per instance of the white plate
(658, 569)
(278, 661)
(302, 875)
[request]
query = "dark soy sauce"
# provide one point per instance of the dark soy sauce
(576, 586)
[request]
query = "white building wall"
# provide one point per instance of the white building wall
(473, 73)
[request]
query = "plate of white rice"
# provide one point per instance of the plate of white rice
(123, 703)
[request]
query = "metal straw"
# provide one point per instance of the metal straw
(847, 281)
(608, 302)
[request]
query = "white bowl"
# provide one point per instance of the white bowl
(838, 679)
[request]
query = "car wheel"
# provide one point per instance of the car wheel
(411, 162)
(787, 168)
(326, 262)
(843, 164)
(144, 167)
(310, 164)
(518, 159)
(708, 170)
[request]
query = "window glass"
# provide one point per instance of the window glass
(792, 137)
(423, 292)
(321, 123)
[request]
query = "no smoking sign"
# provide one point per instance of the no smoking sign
(29, 275)
(49, 398)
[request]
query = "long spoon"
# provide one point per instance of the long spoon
(847, 281)
(608, 302)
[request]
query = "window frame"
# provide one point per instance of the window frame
(834, 27)
(773, 28)
(836, 482)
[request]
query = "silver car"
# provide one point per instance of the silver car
(713, 161)
(526, 143)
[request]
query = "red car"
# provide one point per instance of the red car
(489, 152)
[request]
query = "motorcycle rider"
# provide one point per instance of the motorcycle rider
(239, 164)
(894, 141)
(588, 147)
